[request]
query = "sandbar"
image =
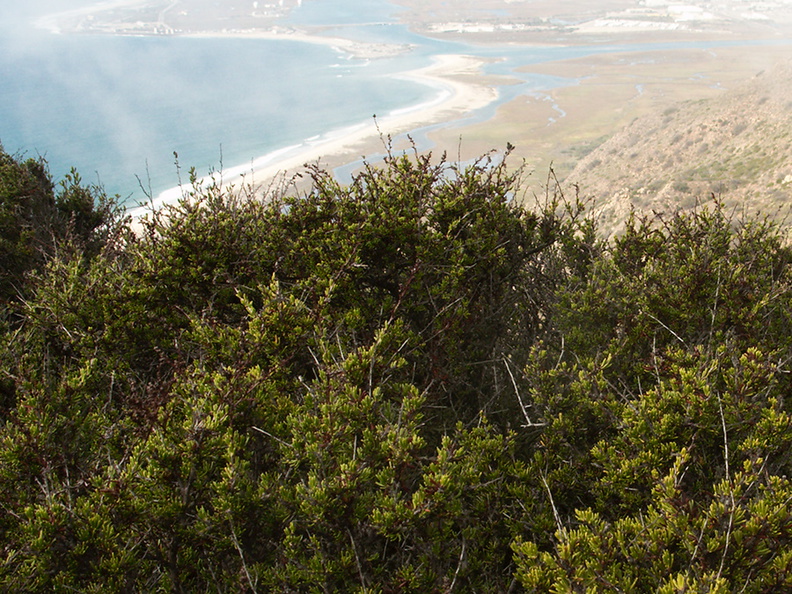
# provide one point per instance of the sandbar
(355, 49)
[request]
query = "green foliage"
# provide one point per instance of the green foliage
(734, 536)
(406, 384)
(290, 395)
(666, 447)
(36, 221)
(25, 197)
(698, 279)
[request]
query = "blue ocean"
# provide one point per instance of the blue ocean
(119, 108)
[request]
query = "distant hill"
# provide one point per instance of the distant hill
(737, 147)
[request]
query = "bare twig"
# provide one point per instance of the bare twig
(357, 561)
(459, 566)
(271, 435)
(715, 306)
(560, 355)
(679, 338)
(242, 557)
(559, 524)
(731, 486)
(523, 408)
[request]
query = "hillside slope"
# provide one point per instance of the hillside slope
(737, 147)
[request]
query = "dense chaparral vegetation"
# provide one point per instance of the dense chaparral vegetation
(405, 384)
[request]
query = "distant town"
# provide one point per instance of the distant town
(496, 20)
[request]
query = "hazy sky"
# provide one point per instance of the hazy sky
(39, 7)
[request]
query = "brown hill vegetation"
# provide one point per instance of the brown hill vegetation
(736, 147)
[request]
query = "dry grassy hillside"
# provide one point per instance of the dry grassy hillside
(737, 147)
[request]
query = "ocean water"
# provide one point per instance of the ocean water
(118, 108)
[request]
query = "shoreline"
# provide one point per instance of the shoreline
(355, 49)
(453, 101)
(51, 21)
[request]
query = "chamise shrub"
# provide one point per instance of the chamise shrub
(408, 383)
(667, 444)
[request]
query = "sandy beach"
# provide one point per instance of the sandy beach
(355, 49)
(454, 99)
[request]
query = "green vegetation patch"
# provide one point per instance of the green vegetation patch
(404, 384)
